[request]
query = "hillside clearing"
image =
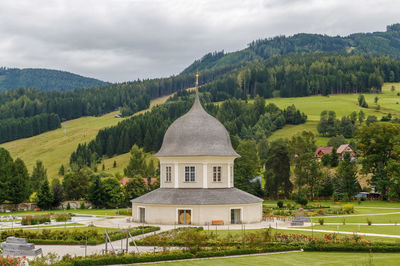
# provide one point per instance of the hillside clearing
(55, 147)
(342, 104)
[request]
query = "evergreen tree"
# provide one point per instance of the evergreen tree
(39, 174)
(137, 163)
(347, 177)
(61, 171)
(361, 116)
(96, 196)
(362, 102)
(45, 197)
(6, 171)
(148, 142)
(334, 158)
(18, 190)
(57, 191)
(277, 176)
(150, 169)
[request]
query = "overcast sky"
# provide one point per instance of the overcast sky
(121, 40)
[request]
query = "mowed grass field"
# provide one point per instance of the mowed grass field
(299, 258)
(342, 104)
(55, 147)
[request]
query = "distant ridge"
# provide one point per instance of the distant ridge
(44, 79)
(386, 43)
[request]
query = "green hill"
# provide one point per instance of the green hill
(44, 79)
(385, 43)
(55, 147)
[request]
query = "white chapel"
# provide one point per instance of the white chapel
(197, 177)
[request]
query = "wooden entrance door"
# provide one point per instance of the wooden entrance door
(184, 216)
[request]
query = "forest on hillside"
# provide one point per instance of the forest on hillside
(385, 43)
(44, 79)
(242, 120)
(305, 74)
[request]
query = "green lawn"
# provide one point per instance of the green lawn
(342, 104)
(82, 212)
(376, 229)
(301, 258)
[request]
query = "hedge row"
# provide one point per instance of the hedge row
(127, 259)
(375, 247)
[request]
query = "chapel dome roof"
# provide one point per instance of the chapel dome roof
(196, 134)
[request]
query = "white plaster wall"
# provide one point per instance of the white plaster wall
(224, 175)
(201, 214)
(198, 162)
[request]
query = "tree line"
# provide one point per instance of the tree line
(11, 129)
(296, 75)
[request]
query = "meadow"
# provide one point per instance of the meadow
(55, 147)
(342, 104)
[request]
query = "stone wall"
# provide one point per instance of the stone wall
(74, 204)
(25, 206)
(30, 206)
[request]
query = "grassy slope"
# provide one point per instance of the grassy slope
(55, 147)
(342, 104)
(303, 258)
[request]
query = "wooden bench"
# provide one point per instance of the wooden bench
(217, 222)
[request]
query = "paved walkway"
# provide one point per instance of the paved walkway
(354, 215)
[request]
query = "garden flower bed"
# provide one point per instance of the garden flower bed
(73, 237)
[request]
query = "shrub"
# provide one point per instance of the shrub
(369, 222)
(348, 208)
(321, 221)
(37, 219)
(82, 205)
(68, 206)
(62, 217)
(280, 204)
(127, 212)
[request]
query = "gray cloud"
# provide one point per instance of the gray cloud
(123, 40)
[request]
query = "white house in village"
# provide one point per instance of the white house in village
(196, 177)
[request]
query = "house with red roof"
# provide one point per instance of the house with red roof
(321, 151)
